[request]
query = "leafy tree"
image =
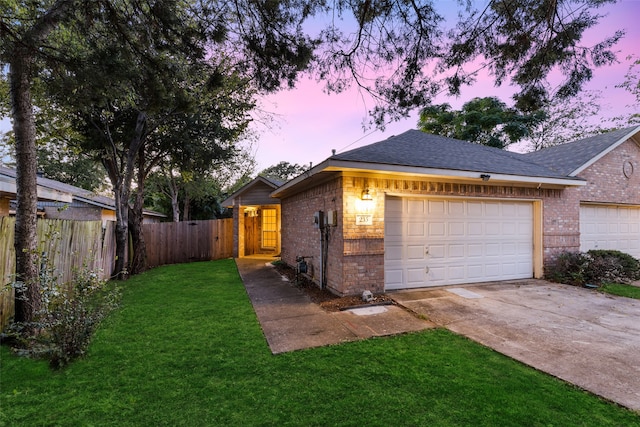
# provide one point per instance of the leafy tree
(402, 54)
(71, 166)
(197, 191)
(567, 120)
(632, 85)
(283, 171)
(486, 121)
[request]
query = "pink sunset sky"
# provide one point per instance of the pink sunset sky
(308, 124)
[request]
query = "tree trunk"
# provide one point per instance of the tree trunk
(186, 212)
(173, 193)
(27, 298)
(139, 258)
(121, 179)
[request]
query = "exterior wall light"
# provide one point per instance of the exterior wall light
(485, 177)
(366, 195)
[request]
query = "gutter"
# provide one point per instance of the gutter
(332, 165)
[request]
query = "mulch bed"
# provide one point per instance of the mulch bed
(324, 298)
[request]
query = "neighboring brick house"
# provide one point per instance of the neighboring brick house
(421, 210)
(57, 200)
(256, 218)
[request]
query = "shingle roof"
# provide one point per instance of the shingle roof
(419, 149)
(569, 157)
(78, 193)
(276, 182)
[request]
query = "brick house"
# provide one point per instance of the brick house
(256, 218)
(420, 210)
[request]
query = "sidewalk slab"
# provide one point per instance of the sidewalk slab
(291, 321)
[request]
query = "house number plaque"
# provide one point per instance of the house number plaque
(364, 219)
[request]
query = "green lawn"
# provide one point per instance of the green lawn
(187, 349)
(621, 290)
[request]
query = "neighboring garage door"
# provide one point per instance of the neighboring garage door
(610, 227)
(433, 242)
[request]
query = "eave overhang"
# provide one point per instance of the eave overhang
(331, 167)
(8, 189)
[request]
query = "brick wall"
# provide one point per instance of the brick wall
(301, 238)
(607, 182)
(356, 252)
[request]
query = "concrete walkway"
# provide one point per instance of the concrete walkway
(290, 321)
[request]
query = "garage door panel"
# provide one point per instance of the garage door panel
(393, 252)
(415, 275)
(436, 274)
(474, 208)
(415, 252)
(475, 229)
(475, 272)
(415, 229)
(610, 227)
(474, 250)
(456, 229)
(393, 278)
(493, 271)
(415, 208)
(393, 230)
(436, 251)
(457, 251)
(456, 273)
(435, 207)
(493, 229)
(436, 229)
(493, 249)
(463, 241)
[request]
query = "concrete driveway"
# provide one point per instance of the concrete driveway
(584, 337)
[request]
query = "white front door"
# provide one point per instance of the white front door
(437, 241)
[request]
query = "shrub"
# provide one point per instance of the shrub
(595, 266)
(69, 316)
(628, 268)
(569, 268)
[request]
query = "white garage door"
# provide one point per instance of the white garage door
(610, 227)
(433, 242)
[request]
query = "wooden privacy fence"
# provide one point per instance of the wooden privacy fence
(187, 241)
(68, 246)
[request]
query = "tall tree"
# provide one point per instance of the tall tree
(486, 121)
(24, 30)
(283, 171)
(567, 120)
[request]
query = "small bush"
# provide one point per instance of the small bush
(569, 268)
(69, 316)
(628, 267)
(595, 266)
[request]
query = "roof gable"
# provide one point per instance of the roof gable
(255, 192)
(573, 157)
